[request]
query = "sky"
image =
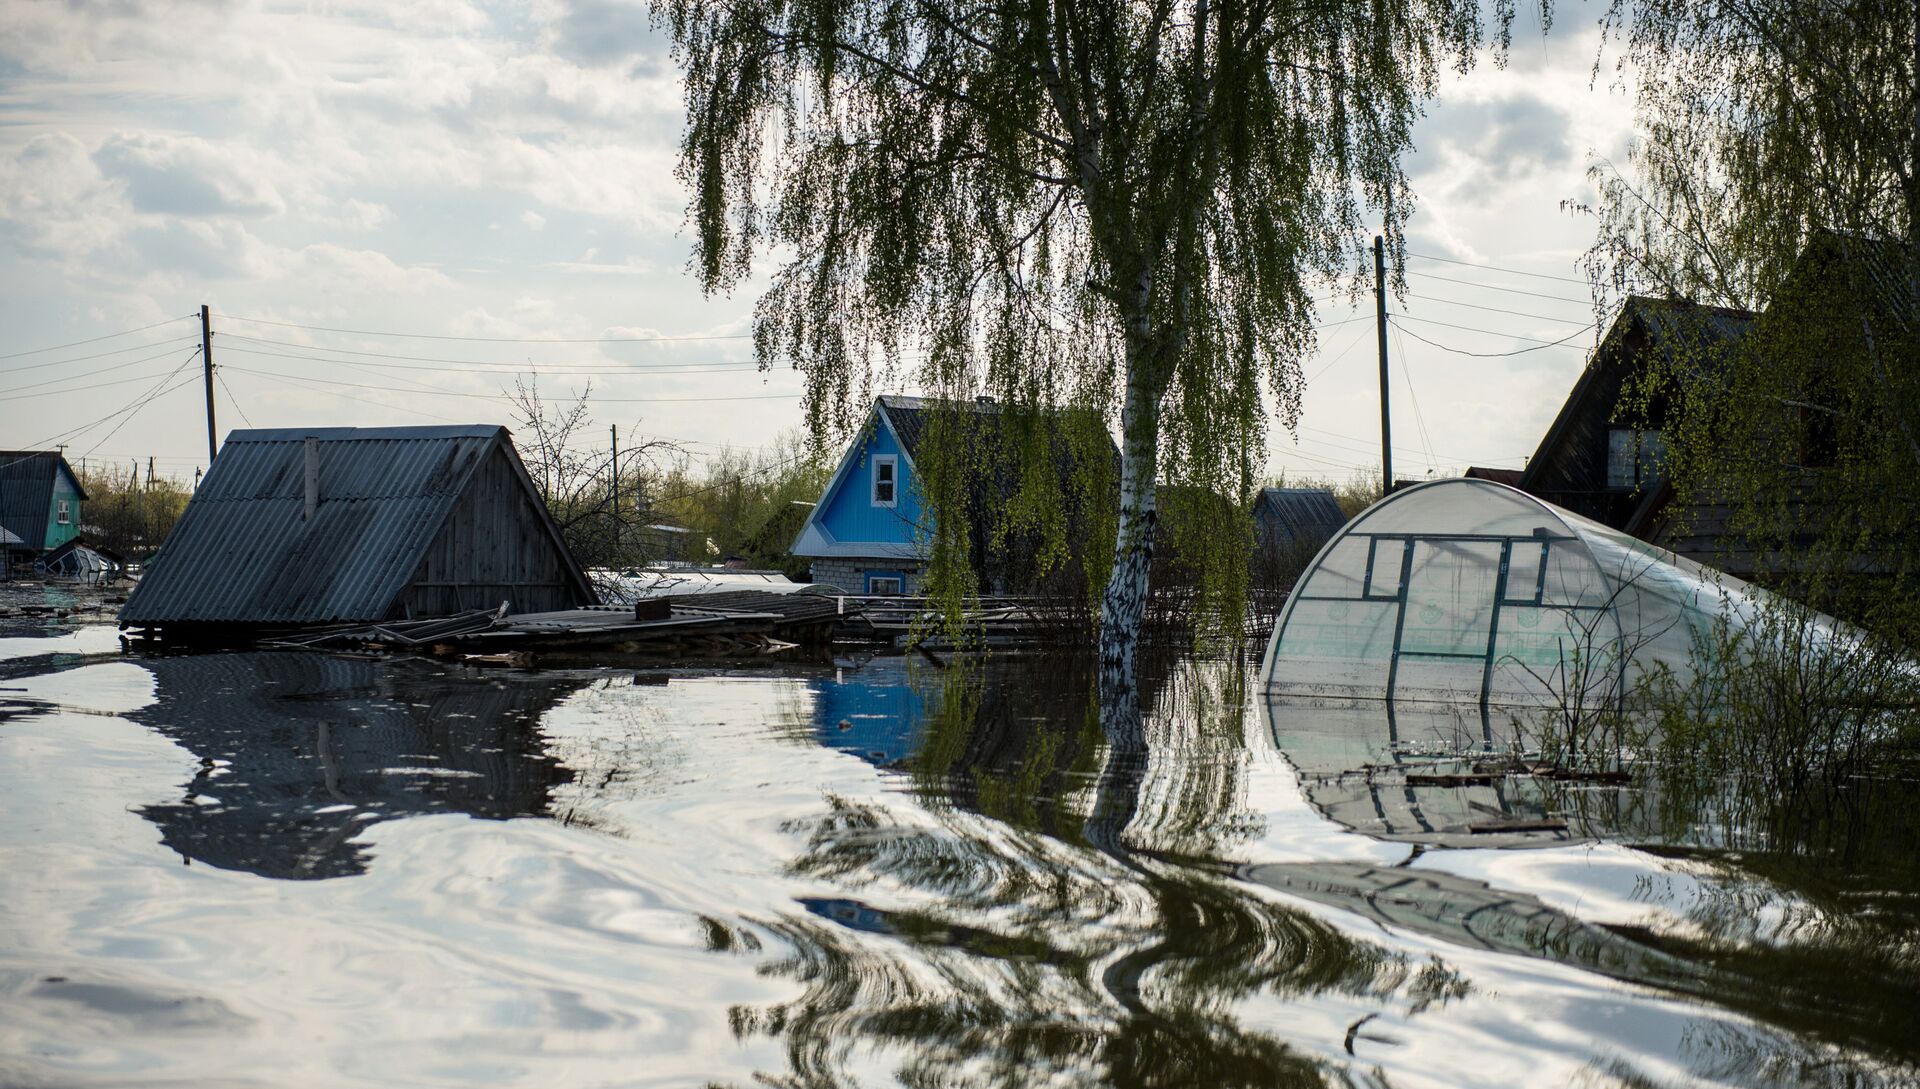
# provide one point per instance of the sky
(496, 181)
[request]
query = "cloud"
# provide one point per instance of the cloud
(187, 176)
(533, 220)
(603, 32)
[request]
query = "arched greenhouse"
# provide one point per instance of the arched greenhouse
(1468, 591)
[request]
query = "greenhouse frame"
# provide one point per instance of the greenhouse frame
(1470, 591)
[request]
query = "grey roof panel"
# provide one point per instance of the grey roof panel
(26, 493)
(1301, 508)
(244, 552)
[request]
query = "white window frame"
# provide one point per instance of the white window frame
(876, 584)
(65, 515)
(892, 462)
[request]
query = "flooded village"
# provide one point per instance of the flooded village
(1145, 545)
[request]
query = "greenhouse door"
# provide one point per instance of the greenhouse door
(1446, 619)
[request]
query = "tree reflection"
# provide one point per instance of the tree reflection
(1059, 920)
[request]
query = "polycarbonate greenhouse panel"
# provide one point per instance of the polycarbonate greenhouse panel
(1468, 590)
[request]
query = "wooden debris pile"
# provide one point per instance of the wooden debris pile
(740, 624)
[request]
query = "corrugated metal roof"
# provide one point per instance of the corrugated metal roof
(244, 552)
(26, 492)
(1299, 510)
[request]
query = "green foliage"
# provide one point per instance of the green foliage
(749, 503)
(1781, 170)
(133, 513)
(1796, 741)
(1118, 207)
(1764, 122)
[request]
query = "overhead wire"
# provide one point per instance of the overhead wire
(1498, 268)
(171, 342)
(491, 340)
(498, 396)
(1493, 287)
(1538, 344)
(89, 374)
(94, 340)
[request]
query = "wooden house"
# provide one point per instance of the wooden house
(40, 500)
(1594, 460)
(307, 526)
(872, 530)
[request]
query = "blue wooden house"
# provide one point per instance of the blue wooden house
(40, 501)
(870, 533)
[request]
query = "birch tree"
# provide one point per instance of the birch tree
(1109, 204)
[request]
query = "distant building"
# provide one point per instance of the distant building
(871, 530)
(1295, 519)
(40, 500)
(302, 526)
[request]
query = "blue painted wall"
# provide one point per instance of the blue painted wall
(849, 513)
(65, 489)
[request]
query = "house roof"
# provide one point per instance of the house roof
(26, 491)
(1671, 327)
(1301, 508)
(1510, 477)
(244, 552)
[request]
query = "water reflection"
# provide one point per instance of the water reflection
(300, 753)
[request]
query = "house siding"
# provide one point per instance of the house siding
(850, 573)
(490, 550)
(65, 489)
(850, 514)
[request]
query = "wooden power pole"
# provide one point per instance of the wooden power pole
(1380, 321)
(206, 362)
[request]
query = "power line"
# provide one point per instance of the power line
(468, 363)
(1493, 287)
(1499, 268)
(222, 379)
(100, 355)
(498, 396)
(1538, 344)
(90, 374)
(92, 340)
(288, 378)
(613, 371)
(492, 340)
(1499, 310)
(84, 388)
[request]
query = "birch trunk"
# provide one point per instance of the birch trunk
(1124, 605)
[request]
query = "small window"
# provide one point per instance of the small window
(1634, 457)
(884, 585)
(886, 482)
(65, 516)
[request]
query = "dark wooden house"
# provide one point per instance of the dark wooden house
(298, 526)
(1594, 460)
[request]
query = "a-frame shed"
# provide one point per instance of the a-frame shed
(304, 526)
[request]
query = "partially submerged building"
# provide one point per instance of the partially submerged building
(40, 498)
(1470, 592)
(305, 526)
(1290, 519)
(872, 530)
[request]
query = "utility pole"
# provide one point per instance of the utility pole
(206, 361)
(1380, 320)
(615, 493)
(149, 473)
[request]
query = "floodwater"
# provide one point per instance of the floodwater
(290, 869)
